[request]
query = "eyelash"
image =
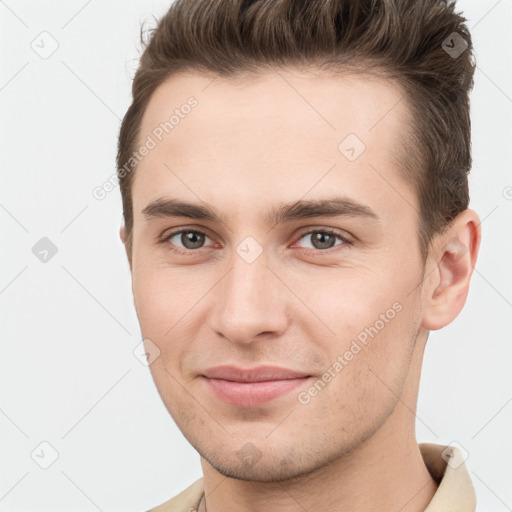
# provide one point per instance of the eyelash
(165, 240)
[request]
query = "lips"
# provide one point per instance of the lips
(253, 386)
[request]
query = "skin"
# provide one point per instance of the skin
(251, 145)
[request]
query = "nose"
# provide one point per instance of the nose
(250, 303)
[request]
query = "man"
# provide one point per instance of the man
(294, 184)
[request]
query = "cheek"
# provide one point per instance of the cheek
(386, 345)
(162, 295)
(372, 321)
(168, 304)
(366, 374)
(343, 301)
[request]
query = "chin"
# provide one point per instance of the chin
(261, 473)
(251, 465)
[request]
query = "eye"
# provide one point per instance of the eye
(191, 240)
(323, 239)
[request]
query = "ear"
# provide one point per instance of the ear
(453, 259)
(122, 235)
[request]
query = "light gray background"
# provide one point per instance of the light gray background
(68, 375)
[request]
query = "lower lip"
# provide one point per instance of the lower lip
(252, 394)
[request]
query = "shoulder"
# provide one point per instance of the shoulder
(186, 501)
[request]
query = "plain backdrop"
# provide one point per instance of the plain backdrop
(73, 395)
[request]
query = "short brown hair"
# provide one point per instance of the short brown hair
(407, 41)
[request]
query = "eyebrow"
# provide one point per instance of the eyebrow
(298, 210)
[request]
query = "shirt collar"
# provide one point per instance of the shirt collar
(455, 492)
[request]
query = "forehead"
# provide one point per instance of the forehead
(307, 101)
(280, 130)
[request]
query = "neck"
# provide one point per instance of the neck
(376, 478)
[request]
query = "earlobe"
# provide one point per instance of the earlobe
(122, 234)
(447, 289)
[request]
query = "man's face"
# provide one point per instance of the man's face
(247, 292)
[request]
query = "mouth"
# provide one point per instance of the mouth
(254, 386)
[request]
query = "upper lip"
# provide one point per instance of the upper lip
(257, 374)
